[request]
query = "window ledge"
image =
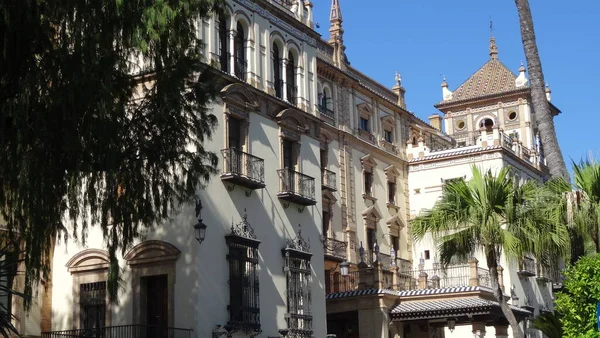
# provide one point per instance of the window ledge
(392, 206)
(369, 197)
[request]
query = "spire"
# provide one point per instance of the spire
(521, 80)
(336, 12)
(493, 48)
(548, 92)
(446, 93)
(336, 34)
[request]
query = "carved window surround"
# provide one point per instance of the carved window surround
(368, 165)
(239, 102)
(392, 174)
(152, 258)
(88, 266)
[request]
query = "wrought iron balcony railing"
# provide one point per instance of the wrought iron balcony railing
(241, 68)
(223, 59)
(453, 276)
(122, 331)
(296, 187)
(335, 282)
(334, 248)
(323, 110)
(278, 84)
(243, 169)
(527, 267)
(328, 179)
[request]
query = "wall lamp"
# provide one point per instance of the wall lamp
(199, 227)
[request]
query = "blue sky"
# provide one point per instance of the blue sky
(424, 39)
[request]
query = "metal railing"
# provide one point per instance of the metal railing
(335, 282)
(483, 277)
(240, 68)
(223, 58)
(527, 266)
(122, 331)
(297, 183)
(328, 179)
(240, 163)
(323, 110)
(334, 248)
(452, 276)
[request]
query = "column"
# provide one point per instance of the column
(231, 67)
(501, 331)
(473, 276)
(284, 61)
(478, 330)
(213, 44)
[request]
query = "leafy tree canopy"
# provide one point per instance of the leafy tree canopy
(577, 302)
(75, 147)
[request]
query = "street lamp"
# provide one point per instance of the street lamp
(344, 268)
(451, 324)
(199, 227)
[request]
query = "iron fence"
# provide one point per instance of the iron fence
(243, 164)
(122, 331)
(297, 183)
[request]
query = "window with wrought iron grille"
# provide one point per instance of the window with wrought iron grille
(92, 302)
(299, 279)
(244, 301)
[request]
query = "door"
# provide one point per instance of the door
(157, 306)
(235, 146)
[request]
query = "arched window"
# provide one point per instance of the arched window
(223, 44)
(290, 75)
(488, 124)
(277, 81)
(240, 53)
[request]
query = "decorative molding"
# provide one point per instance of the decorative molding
(371, 214)
(292, 120)
(152, 252)
(88, 260)
(243, 228)
(239, 95)
(298, 243)
(455, 161)
(368, 162)
(395, 224)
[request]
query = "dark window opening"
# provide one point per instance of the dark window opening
(223, 44)
(323, 158)
(92, 303)
(277, 80)
(395, 244)
(368, 178)
(392, 193)
(326, 222)
(235, 133)
(488, 124)
(290, 70)
(427, 256)
(388, 136)
(364, 124)
(289, 160)
(240, 52)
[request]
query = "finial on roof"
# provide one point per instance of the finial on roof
(548, 92)
(444, 83)
(398, 78)
(336, 12)
(522, 68)
(493, 48)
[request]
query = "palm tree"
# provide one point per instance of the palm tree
(549, 324)
(495, 215)
(541, 106)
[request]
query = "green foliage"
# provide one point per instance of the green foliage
(577, 302)
(9, 261)
(549, 324)
(75, 146)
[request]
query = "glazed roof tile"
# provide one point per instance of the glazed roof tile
(492, 78)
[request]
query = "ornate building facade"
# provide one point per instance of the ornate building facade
(308, 222)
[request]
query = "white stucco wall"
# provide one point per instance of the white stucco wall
(427, 178)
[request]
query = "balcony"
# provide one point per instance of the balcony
(122, 331)
(328, 180)
(324, 111)
(296, 187)
(526, 267)
(335, 282)
(453, 276)
(292, 93)
(240, 68)
(334, 249)
(240, 168)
